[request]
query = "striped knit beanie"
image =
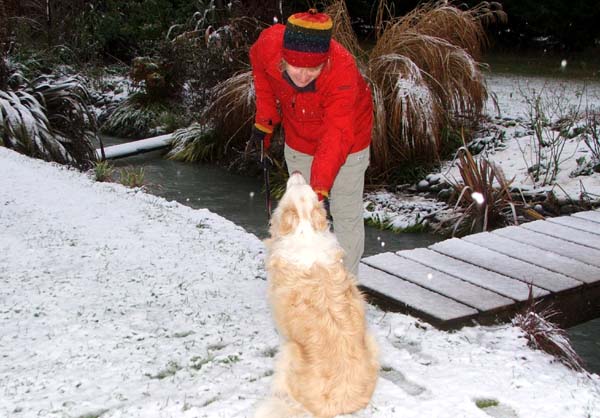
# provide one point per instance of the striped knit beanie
(306, 39)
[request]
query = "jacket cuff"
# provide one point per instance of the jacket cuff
(264, 129)
(262, 133)
(321, 194)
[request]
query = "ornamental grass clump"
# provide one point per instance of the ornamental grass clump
(132, 177)
(195, 143)
(545, 335)
(233, 99)
(103, 171)
(232, 110)
(425, 77)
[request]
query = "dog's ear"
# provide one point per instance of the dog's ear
(318, 218)
(289, 220)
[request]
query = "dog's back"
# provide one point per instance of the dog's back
(328, 360)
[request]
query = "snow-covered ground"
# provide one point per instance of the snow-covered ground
(118, 304)
(514, 96)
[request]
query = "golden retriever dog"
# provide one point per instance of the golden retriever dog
(327, 363)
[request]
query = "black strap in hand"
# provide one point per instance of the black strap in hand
(255, 145)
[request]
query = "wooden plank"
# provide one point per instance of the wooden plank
(590, 215)
(564, 232)
(411, 298)
(577, 223)
(582, 272)
(500, 263)
(504, 285)
(545, 242)
(439, 282)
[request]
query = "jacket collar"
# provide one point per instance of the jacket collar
(310, 87)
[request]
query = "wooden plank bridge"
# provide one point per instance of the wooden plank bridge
(487, 278)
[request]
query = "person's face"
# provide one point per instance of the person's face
(302, 76)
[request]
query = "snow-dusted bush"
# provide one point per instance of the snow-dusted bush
(48, 118)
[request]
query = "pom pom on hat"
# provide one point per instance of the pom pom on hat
(306, 39)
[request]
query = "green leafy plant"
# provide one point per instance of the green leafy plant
(103, 171)
(132, 177)
(486, 403)
(135, 117)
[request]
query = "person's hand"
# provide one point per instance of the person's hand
(323, 197)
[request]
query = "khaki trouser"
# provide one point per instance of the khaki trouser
(345, 199)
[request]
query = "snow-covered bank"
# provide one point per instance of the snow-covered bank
(115, 303)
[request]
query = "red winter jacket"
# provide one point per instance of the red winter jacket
(333, 121)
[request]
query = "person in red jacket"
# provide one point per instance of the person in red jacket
(310, 84)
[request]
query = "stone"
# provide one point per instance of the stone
(423, 186)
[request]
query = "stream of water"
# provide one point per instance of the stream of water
(237, 198)
(241, 200)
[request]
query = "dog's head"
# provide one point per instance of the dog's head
(299, 210)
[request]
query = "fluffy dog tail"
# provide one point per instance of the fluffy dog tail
(276, 407)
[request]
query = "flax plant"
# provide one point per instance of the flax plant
(483, 199)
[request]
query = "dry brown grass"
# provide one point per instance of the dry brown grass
(439, 43)
(232, 109)
(462, 28)
(342, 29)
(451, 74)
(407, 119)
(545, 335)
